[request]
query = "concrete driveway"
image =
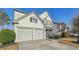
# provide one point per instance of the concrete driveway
(44, 45)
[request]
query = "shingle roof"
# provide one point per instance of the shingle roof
(20, 11)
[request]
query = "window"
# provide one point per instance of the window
(33, 19)
(36, 20)
(30, 19)
(48, 23)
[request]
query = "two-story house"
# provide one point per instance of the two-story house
(28, 26)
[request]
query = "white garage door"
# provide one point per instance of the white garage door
(24, 34)
(38, 34)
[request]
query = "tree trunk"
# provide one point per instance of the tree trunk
(1, 26)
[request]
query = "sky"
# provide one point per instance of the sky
(57, 14)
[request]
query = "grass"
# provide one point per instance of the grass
(69, 41)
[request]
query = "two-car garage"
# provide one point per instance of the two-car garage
(25, 34)
(28, 26)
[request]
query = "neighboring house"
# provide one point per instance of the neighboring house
(28, 26)
(66, 29)
(62, 26)
(47, 20)
(56, 28)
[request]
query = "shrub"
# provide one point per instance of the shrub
(57, 36)
(50, 37)
(65, 34)
(7, 36)
(54, 36)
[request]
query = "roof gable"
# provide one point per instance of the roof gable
(18, 14)
(45, 15)
(26, 15)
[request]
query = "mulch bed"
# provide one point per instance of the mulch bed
(11, 46)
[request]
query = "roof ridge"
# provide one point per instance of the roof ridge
(20, 11)
(20, 17)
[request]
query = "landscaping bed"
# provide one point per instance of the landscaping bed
(7, 40)
(12, 46)
(69, 41)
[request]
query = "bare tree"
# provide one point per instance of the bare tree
(4, 19)
(76, 25)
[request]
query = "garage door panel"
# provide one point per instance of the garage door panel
(24, 34)
(38, 34)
